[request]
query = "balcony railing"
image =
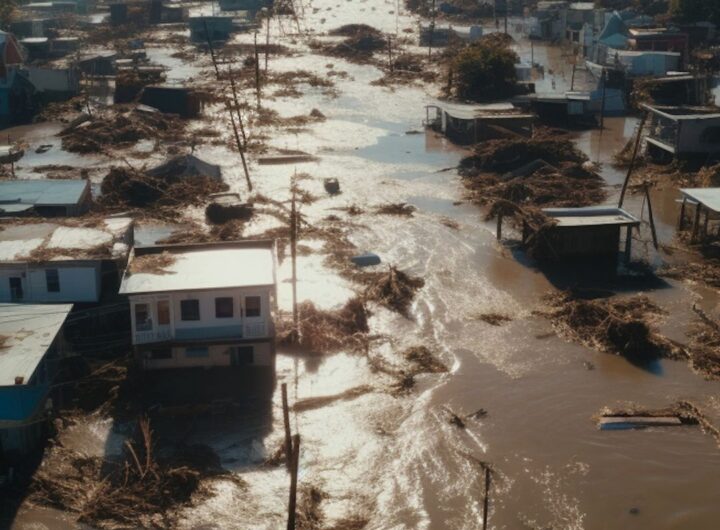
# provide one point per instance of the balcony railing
(248, 330)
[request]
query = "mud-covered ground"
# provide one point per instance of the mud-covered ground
(377, 451)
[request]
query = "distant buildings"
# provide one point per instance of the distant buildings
(31, 345)
(203, 305)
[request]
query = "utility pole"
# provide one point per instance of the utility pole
(636, 147)
(267, 37)
(390, 59)
(240, 145)
(293, 256)
(257, 71)
(432, 29)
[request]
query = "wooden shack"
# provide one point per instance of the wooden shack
(704, 201)
(468, 124)
(592, 232)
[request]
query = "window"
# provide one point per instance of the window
(224, 307)
(252, 306)
(197, 351)
(16, 290)
(52, 278)
(163, 313)
(160, 353)
(143, 320)
(190, 309)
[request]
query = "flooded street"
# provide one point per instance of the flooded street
(396, 461)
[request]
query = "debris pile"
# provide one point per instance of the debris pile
(218, 213)
(129, 83)
(360, 42)
(400, 208)
(152, 264)
(424, 360)
(322, 331)
(135, 490)
(618, 326)
(704, 350)
(123, 188)
(394, 289)
(94, 134)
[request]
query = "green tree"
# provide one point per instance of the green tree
(695, 10)
(7, 12)
(484, 71)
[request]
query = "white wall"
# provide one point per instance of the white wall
(207, 308)
(77, 284)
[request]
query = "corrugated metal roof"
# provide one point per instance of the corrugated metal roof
(43, 192)
(30, 330)
(205, 267)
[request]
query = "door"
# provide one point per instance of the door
(253, 319)
(242, 356)
(16, 289)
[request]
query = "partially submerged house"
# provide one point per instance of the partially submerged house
(592, 232)
(43, 262)
(171, 99)
(32, 343)
(683, 132)
(44, 197)
(704, 201)
(467, 124)
(100, 64)
(244, 5)
(203, 305)
(444, 35)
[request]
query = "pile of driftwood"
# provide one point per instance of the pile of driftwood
(125, 187)
(360, 42)
(394, 289)
(326, 331)
(622, 326)
(122, 127)
(137, 490)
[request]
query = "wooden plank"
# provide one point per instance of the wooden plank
(637, 422)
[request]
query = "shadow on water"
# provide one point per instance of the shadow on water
(15, 484)
(229, 409)
(592, 275)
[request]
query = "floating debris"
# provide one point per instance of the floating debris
(394, 289)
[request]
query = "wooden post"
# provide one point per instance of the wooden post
(237, 106)
(499, 226)
(632, 160)
(696, 222)
(390, 61)
(572, 79)
(267, 40)
(432, 30)
(293, 254)
(257, 71)
(681, 221)
(486, 500)
(532, 53)
(293, 482)
(650, 216)
(286, 421)
(705, 225)
(602, 100)
(628, 244)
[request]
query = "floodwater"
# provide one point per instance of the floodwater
(397, 461)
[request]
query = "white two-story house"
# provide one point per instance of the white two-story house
(203, 305)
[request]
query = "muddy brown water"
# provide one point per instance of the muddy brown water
(397, 461)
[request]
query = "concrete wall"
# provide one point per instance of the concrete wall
(217, 355)
(77, 284)
(209, 326)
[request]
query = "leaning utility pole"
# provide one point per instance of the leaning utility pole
(240, 145)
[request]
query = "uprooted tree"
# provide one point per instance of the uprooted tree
(483, 71)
